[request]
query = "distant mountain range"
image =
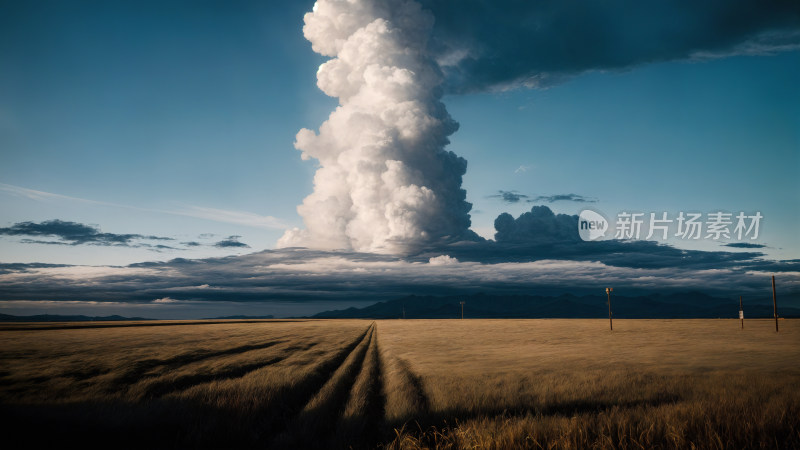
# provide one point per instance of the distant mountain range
(667, 306)
(240, 317)
(60, 318)
(689, 305)
(115, 318)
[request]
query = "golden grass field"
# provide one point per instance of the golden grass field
(402, 384)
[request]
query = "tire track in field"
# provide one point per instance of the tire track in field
(404, 392)
(140, 368)
(316, 420)
(362, 423)
(415, 382)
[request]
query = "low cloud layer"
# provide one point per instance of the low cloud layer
(301, 276)
(541, 234)
(538, 252)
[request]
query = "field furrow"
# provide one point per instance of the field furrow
(317, 420)
(183, 382)
(146, 368)
(229, 366)
(362, 421)
(405, 395)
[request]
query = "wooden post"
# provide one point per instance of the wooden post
(404, 311)
(741, 312)
(774, 304)
(462, 310)
(610, 323)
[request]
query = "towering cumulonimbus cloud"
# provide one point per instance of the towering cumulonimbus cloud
(385, 182)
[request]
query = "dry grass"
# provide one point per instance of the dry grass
(206, 385)
(572, 383)
(406, 384)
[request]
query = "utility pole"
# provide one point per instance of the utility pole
(608, 293)
(462, 310)
(774, 304)
(741, 312)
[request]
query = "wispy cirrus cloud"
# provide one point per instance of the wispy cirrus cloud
(48, 196)
(522, 169)
(562, 198)
(228, 216)
(235, 217)
(516, 197)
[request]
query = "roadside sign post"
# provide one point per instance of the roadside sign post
(774, 304)
(741, 312)
(608, 293)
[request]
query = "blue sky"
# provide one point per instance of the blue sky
(178, 121)
(156, 108)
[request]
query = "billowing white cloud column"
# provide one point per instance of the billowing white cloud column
(385, 183)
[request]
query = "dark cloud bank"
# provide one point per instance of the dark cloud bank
(485, 45)
(73, 233)
(231, 242)
(537, 253)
